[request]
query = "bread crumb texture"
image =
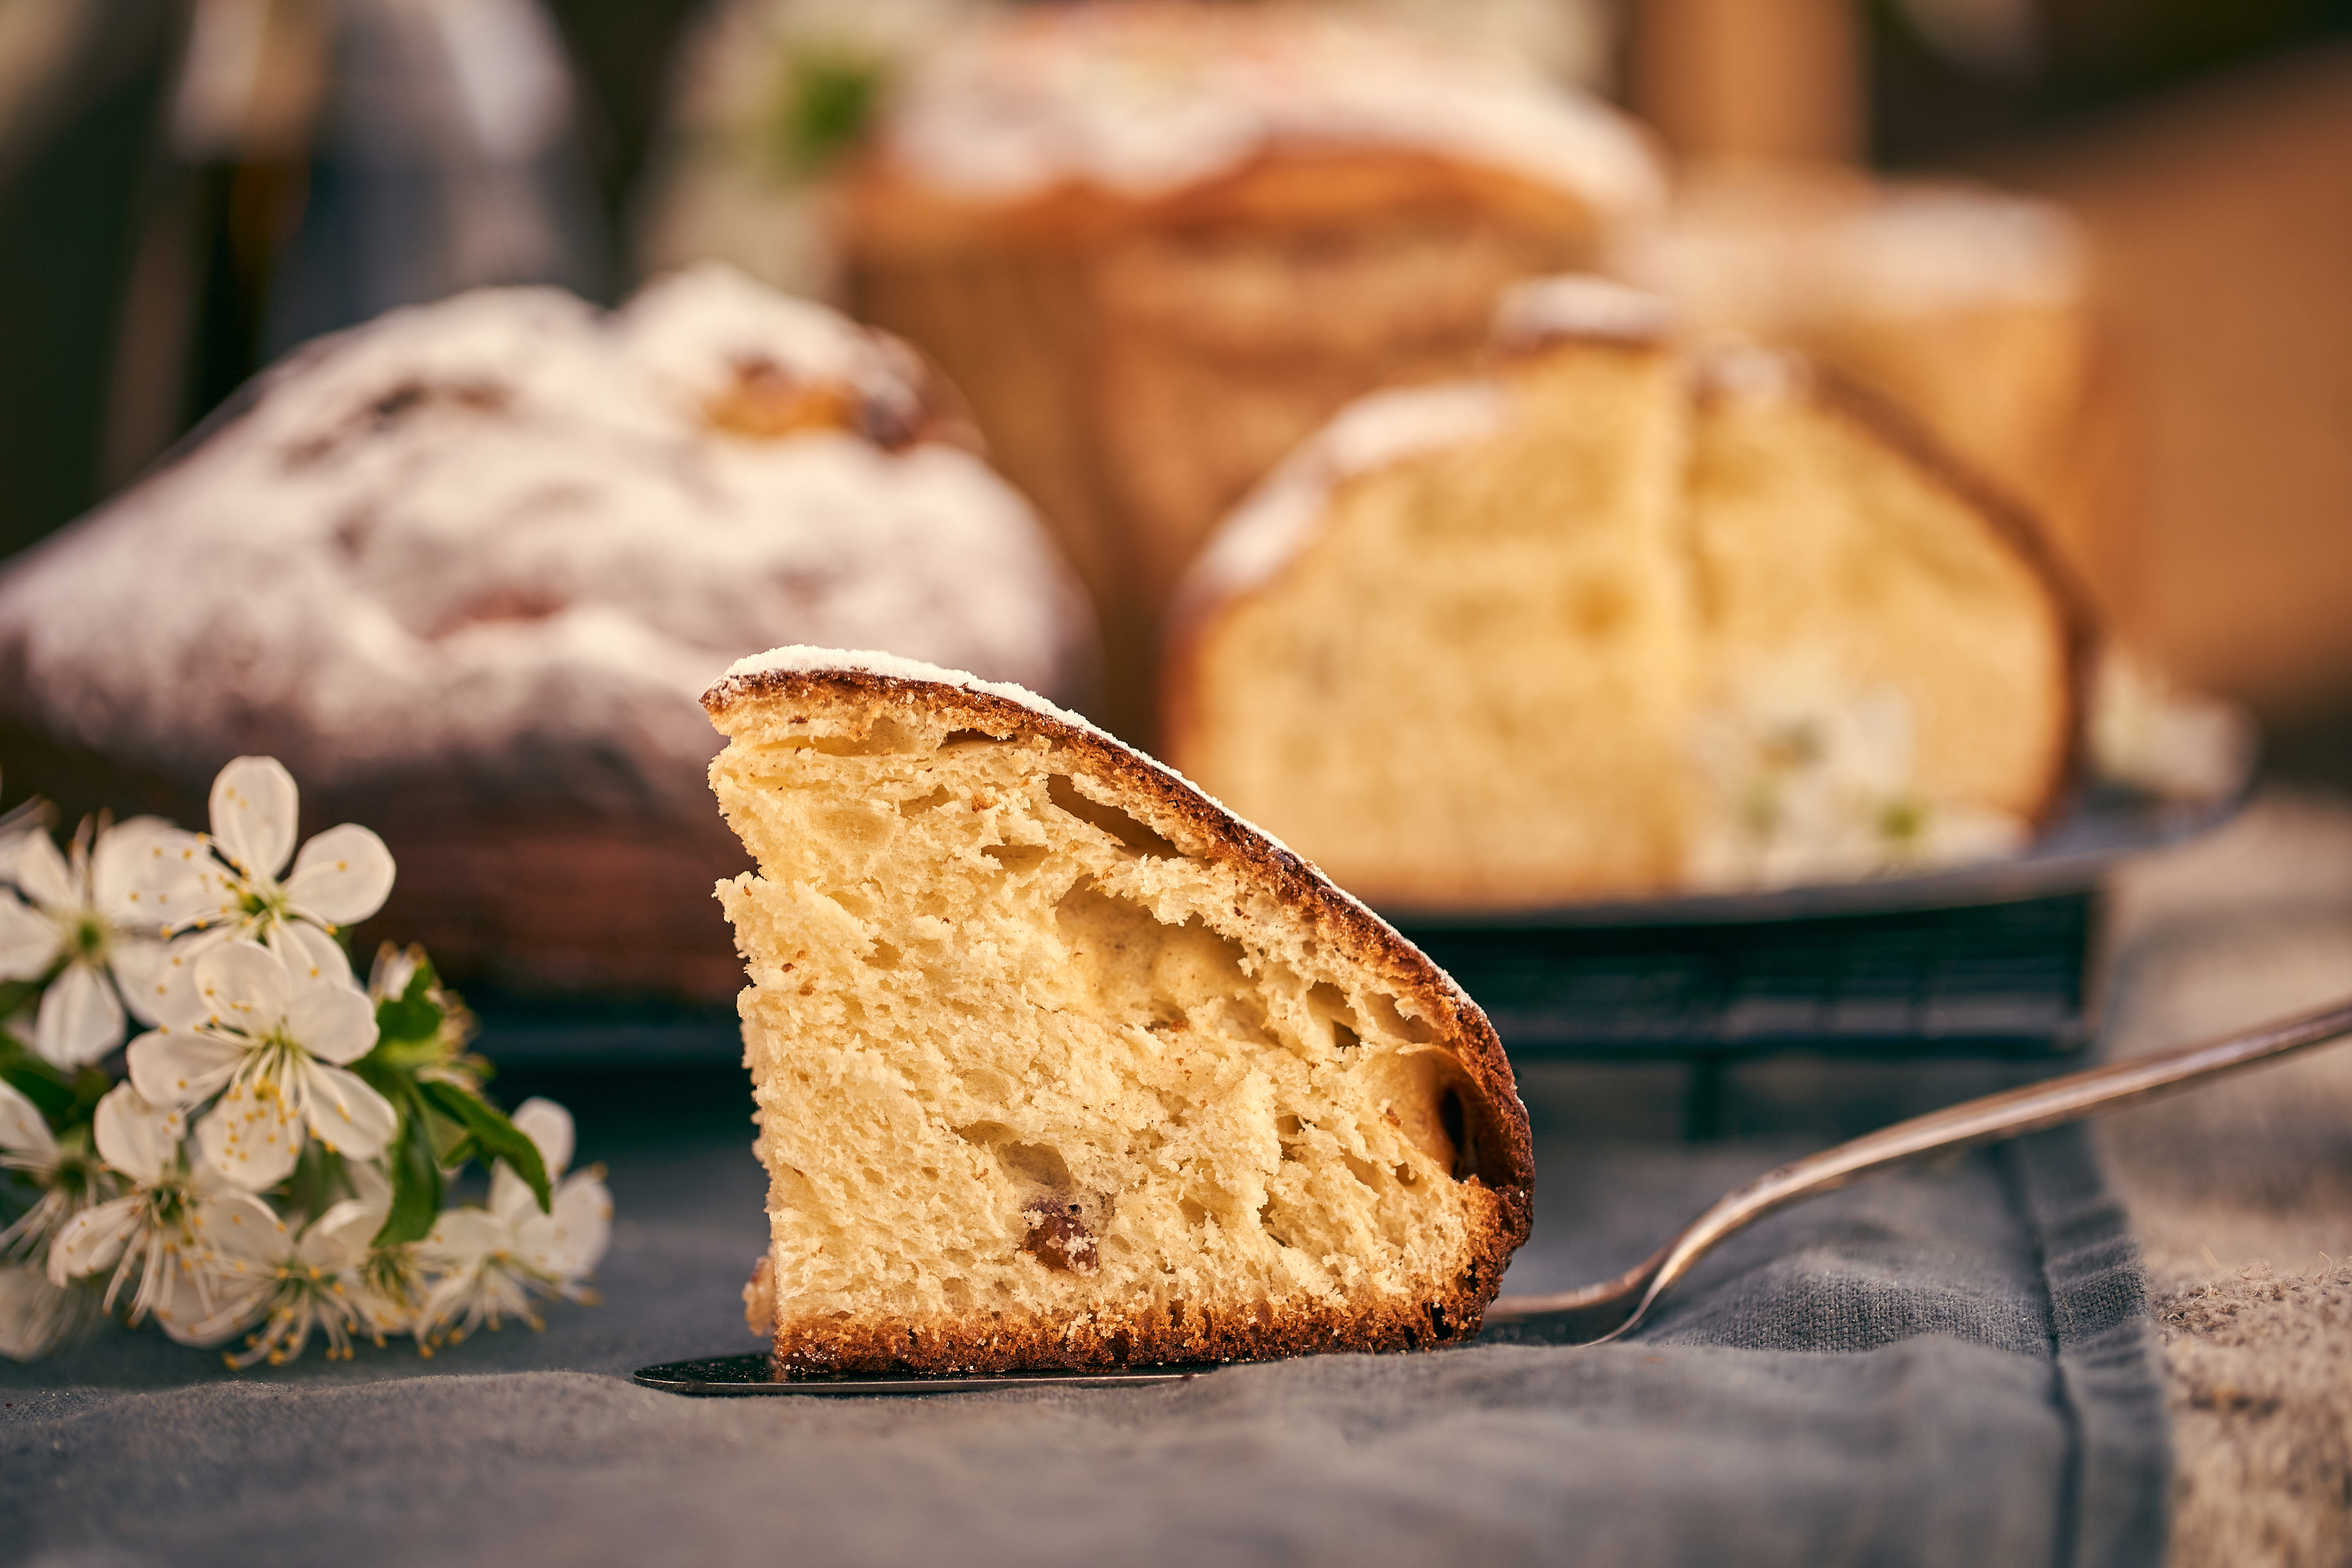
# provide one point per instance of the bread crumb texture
(1056, 1064)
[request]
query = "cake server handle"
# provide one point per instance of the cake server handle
(1606, 1311)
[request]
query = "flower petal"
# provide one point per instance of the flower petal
(79, 1020)
(240, 1227)
(224, 1270)
(253, 807)
(511, 1198)
(569, 1242)
(92, 1239)
(136, 1136)
(29, 942)
(308, 952)
(22, 1131)
(549, 1126)
(370, 1186)
(338, 1239)
(178, 1068)
(344, 1114)
(37, 1315)
(139, 965)
(169, 993)
(333, 1021)
(251, 1136)
(461, 1238)
(244, 987)
(342, 876)
(39, 870)
(146, 875)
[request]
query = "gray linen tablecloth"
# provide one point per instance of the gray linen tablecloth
(1948, 1366)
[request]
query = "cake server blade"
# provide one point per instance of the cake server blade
(751, 1373)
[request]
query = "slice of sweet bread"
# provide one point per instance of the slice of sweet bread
(1618, 619)
(1059, 1064)
(1449, 645)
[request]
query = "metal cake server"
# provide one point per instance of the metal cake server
(1597, 1314)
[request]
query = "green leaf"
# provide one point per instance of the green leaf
(494, 1137)
(413, 1014)
(415, 1178)
(51, 1092)
(17, 995)
(829, 96)
(321, 1178)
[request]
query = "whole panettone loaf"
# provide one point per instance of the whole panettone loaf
(465, 570)
(1621, 620)
(1059, 1064)
(1159, 244)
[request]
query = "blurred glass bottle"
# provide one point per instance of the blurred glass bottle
(325, 161)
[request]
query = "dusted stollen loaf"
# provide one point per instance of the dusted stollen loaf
(1159, 245)
(466, 569)
(1618, 620)
(1059, 1064)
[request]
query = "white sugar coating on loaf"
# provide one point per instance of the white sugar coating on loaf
(1578, 305)
(1279, 517)
(1741, 249)
(1750, 372)
(483, 538)
(806, 658)
(1145, 99)
(691, 329)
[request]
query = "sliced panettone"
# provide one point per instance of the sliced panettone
(1618, 620)
(1449, 645)
(1059, 1064)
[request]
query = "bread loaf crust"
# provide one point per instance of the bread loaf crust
(1497, 1150)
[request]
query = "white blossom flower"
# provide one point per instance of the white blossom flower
(391, 1278)
(341, 877)
(67, 1183)
(490, 1263)
(158, 1236)
(272, 1044)
(101, 914)
(35, 1314)
(296, 1285)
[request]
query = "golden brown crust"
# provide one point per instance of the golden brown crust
(1497, 1159)
(1449, 1312)
(894, 216)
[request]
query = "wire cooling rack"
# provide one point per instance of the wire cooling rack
(2002, 979)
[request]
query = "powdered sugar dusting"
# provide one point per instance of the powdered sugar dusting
(686, 332)
(1142, 99)
(1576, 305)
(1750, 372)
(1757, 249)
(1279, 517)
(804, 659)
(493, 543)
